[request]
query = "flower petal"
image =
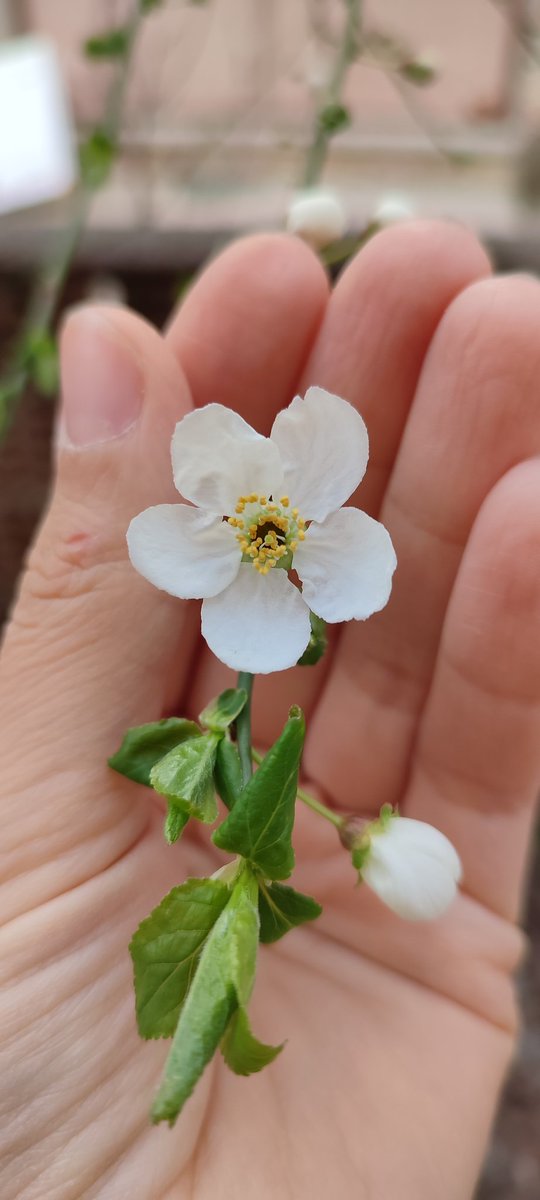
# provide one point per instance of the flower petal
(183, 551)
(218, 457)
(413, 868)
(324, 447)
(346, 566)
(259, 624)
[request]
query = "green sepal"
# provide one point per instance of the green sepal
(317, 643)
(144, 745)
(96, 157)
(281, 909)
(224, 974)
(112, 44)
(333, 118)
(221, 712)
(186, 777)
(242, 1052)
(228, 776)
(166, 948)
(175, 822)
(259, 827)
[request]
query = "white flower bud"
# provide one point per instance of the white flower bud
(412, 867)
(316, 214)
(394, 207)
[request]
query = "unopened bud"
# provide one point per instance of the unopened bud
(317, 216)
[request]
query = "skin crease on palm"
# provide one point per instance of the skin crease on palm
(398, 1036)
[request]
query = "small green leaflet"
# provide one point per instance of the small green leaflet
(317, 643)
(144, 745)
(241, 1051)
(228, 772)
(112, 44)
(222, 711)
(261, 822)
(281, 909)
(226, 968)
(175, 822)
(166, 948)
(186, 777)
(96, 158)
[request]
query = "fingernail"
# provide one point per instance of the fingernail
(102, 384)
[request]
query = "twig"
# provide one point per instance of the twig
(346, 54)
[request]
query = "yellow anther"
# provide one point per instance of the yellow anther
(295, 513)
(252, 498)
(263, 500)
(301, 523)
(284, 501)
(301, 535)
(239, 508)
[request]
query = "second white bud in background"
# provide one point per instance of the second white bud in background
(317, 215)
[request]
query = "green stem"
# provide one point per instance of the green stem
(51, 278)
(243, 727)
(315, 805)
(347, 52)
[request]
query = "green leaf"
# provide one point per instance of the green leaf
(96, 156)
(418, 72)
(281, 909)
(317, 643)
(227, 960)
(175, 822)
(186, 777)
(334, 118)
(148, 5)
(228, 776)
(112, 44)
(144, 745)
(40, 353)
(222, 711)
(259, 827)
(241, 1051)
(166, 948)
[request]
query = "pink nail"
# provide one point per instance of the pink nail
(102, 384)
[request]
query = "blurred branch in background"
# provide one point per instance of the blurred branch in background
(34, 357)
(332, 116)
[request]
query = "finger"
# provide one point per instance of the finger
(243, 333)
(378, 326)
(476, 769)
(242, 337)
(89, 647)
(475, 415)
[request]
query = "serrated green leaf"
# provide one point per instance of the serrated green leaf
(242, 1052)
(222, 711)
(211, 1001)
(317, 643)
(144, 745)
(281, 909)
(166, 948)
(186, 777)
(96, 157)
(112, 44)
(228, 776)
(175, 823)
(259, 827)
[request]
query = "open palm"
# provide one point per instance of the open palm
(398, 1035)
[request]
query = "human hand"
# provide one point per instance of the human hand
(398, 1035)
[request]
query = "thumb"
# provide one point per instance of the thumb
(91, 647)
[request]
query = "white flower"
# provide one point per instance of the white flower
(260, 504)
(411, 866)
(394, 207)
(316, 214)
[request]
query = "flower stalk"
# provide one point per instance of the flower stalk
(316, 806)
(331, 101)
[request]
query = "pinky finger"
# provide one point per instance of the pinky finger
(476, 770)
